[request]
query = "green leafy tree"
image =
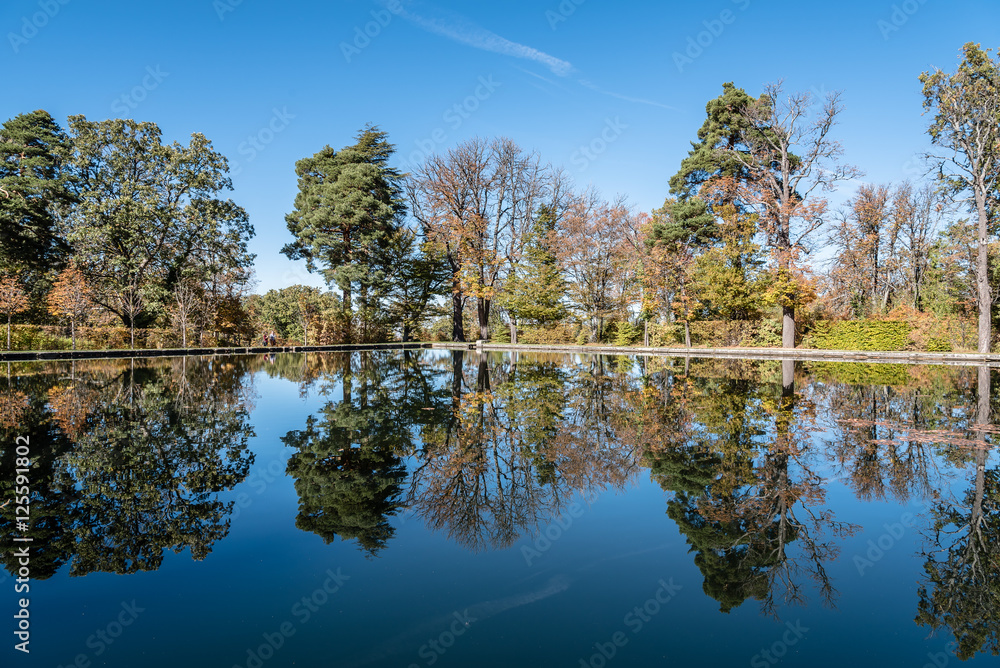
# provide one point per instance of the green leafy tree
(349, 203)
(291, 312)
(966, 107)
(148, 212)
(728, 277)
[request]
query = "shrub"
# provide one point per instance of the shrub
(555, 335)
(627, 334)
(859, 335)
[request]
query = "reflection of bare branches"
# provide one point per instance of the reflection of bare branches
(513, 453)
(961, 591)
(883, 437)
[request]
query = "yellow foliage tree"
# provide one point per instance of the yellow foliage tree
(70, 298)
(13, 300)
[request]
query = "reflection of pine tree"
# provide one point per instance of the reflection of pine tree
(347, 464)
(346, 489)
(707, 468)
(733, 557)
(734, 456)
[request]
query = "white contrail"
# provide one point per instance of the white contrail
(465, 32)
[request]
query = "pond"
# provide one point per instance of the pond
(446, 508)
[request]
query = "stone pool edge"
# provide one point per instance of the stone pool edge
(871, 356)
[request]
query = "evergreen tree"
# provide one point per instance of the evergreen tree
(535, 290)
(349, 203)
(723, 129)
(420, 274)
(35, 181)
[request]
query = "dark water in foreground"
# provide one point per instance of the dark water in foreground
(447, 509)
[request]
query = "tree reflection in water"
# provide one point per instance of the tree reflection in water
(960, 590)
(128, 459)
(737, 455)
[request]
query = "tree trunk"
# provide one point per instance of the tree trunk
(348, 313)
(457, 329)
(513, 332)
(787, 326)
(346, 383)
(8, 331)
(788, 378)
(406, 332)
(645, 333)
(72, 331)
(483, 309)
(982, 449)
(983, 297)
(687, 334)
(132, 330)
(483, 378)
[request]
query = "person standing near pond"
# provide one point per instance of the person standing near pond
(274, 339)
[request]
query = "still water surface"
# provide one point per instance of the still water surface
(448, 509)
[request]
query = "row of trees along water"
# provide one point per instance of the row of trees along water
(106, 224)
(139, 457)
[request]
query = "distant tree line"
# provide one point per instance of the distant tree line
(506, 243)
(487, 241)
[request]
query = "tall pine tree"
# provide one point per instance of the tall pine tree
(35, 180)
(348, 204)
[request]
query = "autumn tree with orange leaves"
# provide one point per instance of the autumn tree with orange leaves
(476, 205)
(70, 298)
(13, 300)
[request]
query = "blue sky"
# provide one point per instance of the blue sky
(270, 83)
